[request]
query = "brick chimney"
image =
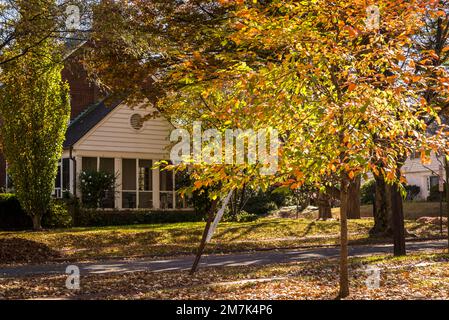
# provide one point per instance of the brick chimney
(83, 93)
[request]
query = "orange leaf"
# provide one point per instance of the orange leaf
(352, 87)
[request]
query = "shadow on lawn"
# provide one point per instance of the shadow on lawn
(239, 233)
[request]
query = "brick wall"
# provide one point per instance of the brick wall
(82, 92)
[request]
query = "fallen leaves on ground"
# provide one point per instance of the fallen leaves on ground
(18, 250)
(420, 276)
(183, 238)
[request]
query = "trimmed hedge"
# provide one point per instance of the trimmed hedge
(100, 218)
(12, 217)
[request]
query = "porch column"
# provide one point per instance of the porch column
(156, 189)
(71, 176)
(118, 182)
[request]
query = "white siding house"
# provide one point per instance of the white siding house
(423, 175)
(115, 139)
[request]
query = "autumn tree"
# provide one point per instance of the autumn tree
(431, 58)
(329, 85)
(427, 57)
(35, 109)
(145, 39)
(334, 89)
(66, 20)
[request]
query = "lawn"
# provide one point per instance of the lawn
(419, 276)
(182, 238)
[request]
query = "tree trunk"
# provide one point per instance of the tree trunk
(353, 205)
(37, 222)
(233, 206)
(344, 274)
(381, 208)
(397, 219)
(446, 167)
(324, 206)
(210, 219)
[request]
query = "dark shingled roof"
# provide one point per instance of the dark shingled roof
(86, 120)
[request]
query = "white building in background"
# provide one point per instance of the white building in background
(422, 175)
(115, 139)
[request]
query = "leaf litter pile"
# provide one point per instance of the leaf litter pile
(18, 250)
(424, 276)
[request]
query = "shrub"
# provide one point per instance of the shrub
(367, 192)
(243, 216)
(286, 198)
(198, 199)
(58, 216)
(261, 203)
(259, 207)
(97, 188)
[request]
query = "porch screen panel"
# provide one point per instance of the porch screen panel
(107, 165)
(57, 192)
(129, 183)
(181, 180)
(166, 189)
(145, 184)
(89, 164)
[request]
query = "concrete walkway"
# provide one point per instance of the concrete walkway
(235, 259)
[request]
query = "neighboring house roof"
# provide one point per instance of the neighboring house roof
(86, 120)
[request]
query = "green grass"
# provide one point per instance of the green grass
(183, 238)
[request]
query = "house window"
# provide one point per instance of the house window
(9, 183)
(145, 184)
(62, 180)
(415, 155)
(166, 183)
(65, 174)
(433, 181)
(58, 191)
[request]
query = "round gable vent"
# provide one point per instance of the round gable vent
(136, 121)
